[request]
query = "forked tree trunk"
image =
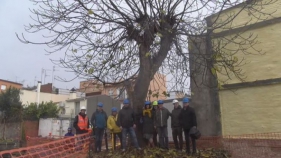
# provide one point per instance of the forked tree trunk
(148, 68)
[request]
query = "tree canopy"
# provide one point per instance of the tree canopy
(43, 110)
(114, 41)
(10, 105)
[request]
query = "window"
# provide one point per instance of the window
(3, 87)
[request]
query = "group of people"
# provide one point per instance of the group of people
(154, 122)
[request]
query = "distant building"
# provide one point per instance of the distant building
(48, 93)
(71, 107)
(118, 91)
(5, 84)
(176, 95)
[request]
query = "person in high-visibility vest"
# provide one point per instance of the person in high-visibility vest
(81, 125)
(113, 128)
(81, 122)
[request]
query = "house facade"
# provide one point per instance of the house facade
(5, 84)
(252, 104)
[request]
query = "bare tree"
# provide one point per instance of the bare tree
(115, 41)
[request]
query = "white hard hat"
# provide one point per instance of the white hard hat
(175, 101)
(83, 108)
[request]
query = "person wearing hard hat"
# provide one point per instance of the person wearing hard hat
(160, 122)
(113, 128)
(126, 121)
(98, 121)
(148, 127)
(81, 122)
(188, 121)
(176, 127)
(154, 108)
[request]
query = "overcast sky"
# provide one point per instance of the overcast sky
(24, 61)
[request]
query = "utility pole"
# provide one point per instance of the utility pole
(53, 72)
(45, 70)
(42, 73)
(35, 81)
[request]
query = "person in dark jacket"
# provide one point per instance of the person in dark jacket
(126, 121)
(176, 127)
(160, 122)
(99, 122)
(188, 121)
(148, 127)
(81, 122)
(69, 133)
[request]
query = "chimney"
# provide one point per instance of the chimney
(38, 92)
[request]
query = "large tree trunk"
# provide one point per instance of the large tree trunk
(148, 67)
(140, 89)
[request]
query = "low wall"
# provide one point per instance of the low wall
(10, 131)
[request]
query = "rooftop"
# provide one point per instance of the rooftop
(11, 82)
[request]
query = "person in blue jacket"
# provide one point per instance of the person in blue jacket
(69, 133)
(99, 122)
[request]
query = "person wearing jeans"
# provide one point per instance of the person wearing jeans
(99, 121)
(188, 121)
(176, 127)
(126, 121)
(160, 122)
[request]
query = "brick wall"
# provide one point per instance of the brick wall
(7, 84)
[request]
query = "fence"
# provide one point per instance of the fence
(244, 146)
(254, 145)
(61, 148)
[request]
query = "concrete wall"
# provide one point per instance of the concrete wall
(259, 66)
(30, 97)
(251, 110)
(203, 89)
(12, 131)
(106, 100)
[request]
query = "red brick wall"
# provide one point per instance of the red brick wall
(9, 84)
(47, 88)
(31, 128)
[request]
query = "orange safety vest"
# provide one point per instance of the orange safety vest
(82, 123)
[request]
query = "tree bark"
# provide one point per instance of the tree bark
(148, 67)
